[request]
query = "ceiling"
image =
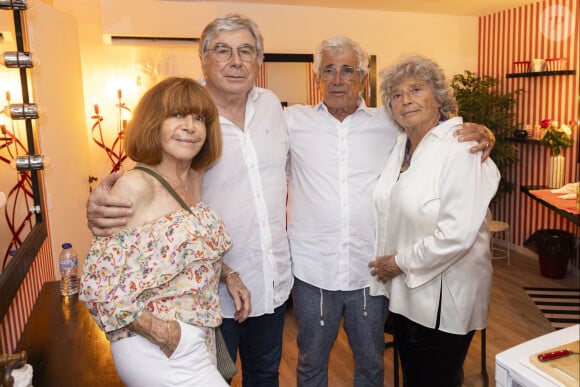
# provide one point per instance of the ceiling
(449, 7)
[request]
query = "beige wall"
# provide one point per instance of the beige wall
(53, 39)
(451, 40)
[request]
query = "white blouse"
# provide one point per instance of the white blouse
(433, 217)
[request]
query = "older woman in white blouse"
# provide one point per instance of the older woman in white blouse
(432, 255)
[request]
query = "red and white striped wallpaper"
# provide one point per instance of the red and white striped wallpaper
(40, 272)
(314, 96)
(262, 80)
(547, 29)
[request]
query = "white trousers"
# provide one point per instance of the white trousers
(141, 363)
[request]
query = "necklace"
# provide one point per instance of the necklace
(407, 158)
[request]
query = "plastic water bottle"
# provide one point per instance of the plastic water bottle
(68, 262)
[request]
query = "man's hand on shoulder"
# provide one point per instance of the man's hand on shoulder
(479, 133)
(106, 212)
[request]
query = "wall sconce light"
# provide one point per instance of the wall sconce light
(21, 111)
(30, 163)
(13, 4)
(17, 59)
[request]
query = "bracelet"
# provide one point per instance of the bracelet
(226, 275)
(167, 343)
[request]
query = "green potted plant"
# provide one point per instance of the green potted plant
(479, 101)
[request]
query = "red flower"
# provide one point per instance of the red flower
(545, 123)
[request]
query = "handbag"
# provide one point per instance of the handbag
(225, 364)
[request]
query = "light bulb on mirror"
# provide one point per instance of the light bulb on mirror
(30, 163)
(18, 59)
(21, 111)
(17, 5)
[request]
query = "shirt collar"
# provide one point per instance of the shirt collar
(446, 126)
(255, 93)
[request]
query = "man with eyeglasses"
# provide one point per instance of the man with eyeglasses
(337, 150)
(247, 186)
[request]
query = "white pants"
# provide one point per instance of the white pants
(141, 363)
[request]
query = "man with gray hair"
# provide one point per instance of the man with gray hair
(247, 187)
(338, 148)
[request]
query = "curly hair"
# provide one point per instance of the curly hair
(422, 68)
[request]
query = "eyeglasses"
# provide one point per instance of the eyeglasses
(223, 52)
(347, 73)
(412, 91)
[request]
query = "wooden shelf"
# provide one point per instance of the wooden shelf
(540, 74)
(525, 140)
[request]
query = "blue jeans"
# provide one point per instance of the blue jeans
(365, 332)
(259, 341)
(430, 357)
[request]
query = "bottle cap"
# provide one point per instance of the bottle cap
(66, 245)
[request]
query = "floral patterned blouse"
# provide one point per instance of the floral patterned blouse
(169, 267)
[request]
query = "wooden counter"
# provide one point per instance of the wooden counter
(65, 346)
(568, 215)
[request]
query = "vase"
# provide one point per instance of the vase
(555, 171)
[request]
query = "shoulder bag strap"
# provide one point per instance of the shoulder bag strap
(166, 184)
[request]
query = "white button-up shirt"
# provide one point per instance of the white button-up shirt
(247, 187)
(433, 217)
(334, 167)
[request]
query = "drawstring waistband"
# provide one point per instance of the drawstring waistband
(365, 313)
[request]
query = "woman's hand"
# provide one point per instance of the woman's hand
(479, 133)
(385, 267)
(239, 293)
(105, 212)
(164, 334)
